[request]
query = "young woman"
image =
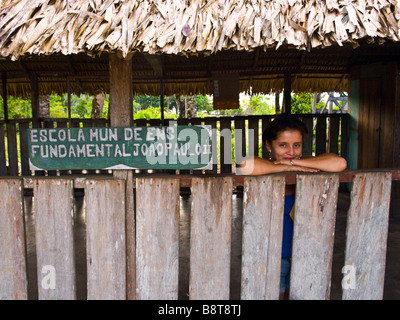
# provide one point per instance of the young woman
(283, 139)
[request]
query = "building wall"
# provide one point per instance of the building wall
(374, 110)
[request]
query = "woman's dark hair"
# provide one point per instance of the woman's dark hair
(281, 123)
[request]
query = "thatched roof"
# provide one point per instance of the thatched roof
(187, 26)
(51, 37)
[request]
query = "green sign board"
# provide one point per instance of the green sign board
(172, 147)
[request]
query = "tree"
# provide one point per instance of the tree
(97, 105)
(303, 103)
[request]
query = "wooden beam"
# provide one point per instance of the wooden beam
(121, 115)
(287, 92)
(5, 96)
(35, 99)
(157, 63)
(121, 91)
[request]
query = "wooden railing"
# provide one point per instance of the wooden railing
(132, 236)
(234, 137)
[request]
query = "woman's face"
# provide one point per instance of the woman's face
(287, 145)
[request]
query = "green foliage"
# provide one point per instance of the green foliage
(204, 103)
(148, 107)
(18, 108)
(258, 104)
(302, 103)
(152, 113)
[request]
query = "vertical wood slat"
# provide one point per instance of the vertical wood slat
(334, 135)
(54, 238)
(210, 238)
(313, 236)
(240, 140)
(12, 148)
(366, 235)
(253, 135)
(3, 167)
(225, 148)
(196, 122)
(13, 277)
(157, 242)
(105, 242)
(213, 124)
(265, 123)
(344, 135)
(263, 205)
(23, 137)
(320, 136)
(308, 139)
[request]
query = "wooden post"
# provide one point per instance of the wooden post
(5, 96)
(121, 115)
(121, 91)
(287, 93)
(35, 100)
(69, 100)
(162, 101)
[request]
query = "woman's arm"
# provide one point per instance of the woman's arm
(259, 166)
(328, 162)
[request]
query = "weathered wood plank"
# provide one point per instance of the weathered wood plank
(263, 205)
(13, 278)
(366, 236)
(54, 238)
(157, 238)
(105, 243)
(313, 236)
(210, 238)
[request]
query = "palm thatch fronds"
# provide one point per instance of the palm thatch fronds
(187, 26)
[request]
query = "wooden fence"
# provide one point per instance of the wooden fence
(327, 132)
(132, 247)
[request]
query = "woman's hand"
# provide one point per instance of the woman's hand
(258, 166)
(291, 167)
(328, 162)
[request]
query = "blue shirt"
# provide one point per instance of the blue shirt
(287, 237)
